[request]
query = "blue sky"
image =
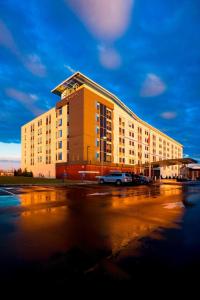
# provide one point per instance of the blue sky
(147, 52)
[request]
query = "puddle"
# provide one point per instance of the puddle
(8, 200)
(173, 205)
(98, 194)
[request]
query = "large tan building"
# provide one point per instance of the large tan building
(90, 131)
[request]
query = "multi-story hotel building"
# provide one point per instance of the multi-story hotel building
(90, 131)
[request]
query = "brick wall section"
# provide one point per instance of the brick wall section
(72, 171)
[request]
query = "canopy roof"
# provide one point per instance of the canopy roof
(194, 166)
(174, 161)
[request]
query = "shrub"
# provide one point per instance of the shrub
(25, 173)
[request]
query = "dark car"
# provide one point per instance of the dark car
(140, 179)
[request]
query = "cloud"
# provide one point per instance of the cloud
(105, 19)
(152, 86)
(168, 115)
(34, 97)
(109, 57)
(7, 40)
(27, 100)
(31, 62)
(34, 65)
(70, 69)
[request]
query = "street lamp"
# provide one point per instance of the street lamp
(88, 153)
(102, 139)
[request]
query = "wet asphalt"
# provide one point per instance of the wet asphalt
(98, 232)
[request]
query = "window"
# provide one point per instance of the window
(60, 122)
(97, 117)
(60, 156)
(60, 111)
(97, 143)
(108, 114)
(97, 154)
(60, 133)
(115, 175)
(60, 145)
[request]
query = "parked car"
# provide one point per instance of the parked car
(145, 180)
(117, 178)
(140, 179)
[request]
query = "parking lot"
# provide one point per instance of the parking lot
(92, 231)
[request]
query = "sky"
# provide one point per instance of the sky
(146, 52)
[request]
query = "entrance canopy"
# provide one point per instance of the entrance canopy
(172, 162)
(194, 166)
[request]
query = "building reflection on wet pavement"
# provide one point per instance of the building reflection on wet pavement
(99, 228)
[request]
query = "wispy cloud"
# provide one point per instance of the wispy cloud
(107, 21)
(152, 86)
(7, 40)
(109, 57)
(31, 62)
(28, 100)
(70, 69)
(168, 115)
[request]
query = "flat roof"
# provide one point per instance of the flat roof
(80, 78)
(174, 161)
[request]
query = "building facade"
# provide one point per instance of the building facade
(90, 132)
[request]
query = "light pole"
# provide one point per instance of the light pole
(88, 153)
(102, 139)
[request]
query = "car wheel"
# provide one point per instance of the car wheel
(118, 182)
(101, 181)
